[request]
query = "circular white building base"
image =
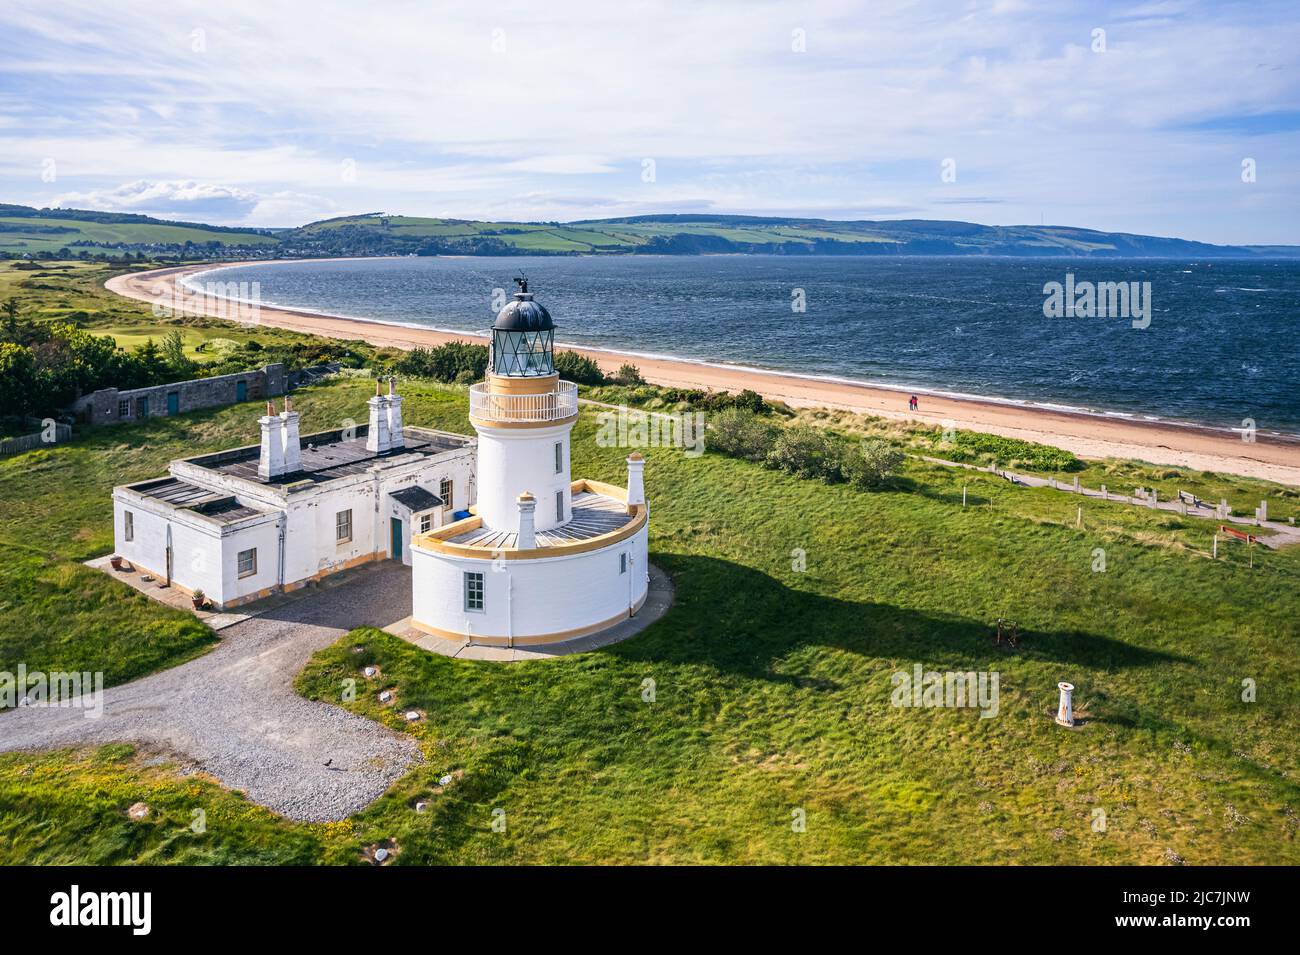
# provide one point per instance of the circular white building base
(658, 600)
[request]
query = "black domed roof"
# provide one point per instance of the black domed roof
(523, 315)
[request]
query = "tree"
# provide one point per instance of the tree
(174, 357)
(807, 452)
(11, 309)
(17, 378)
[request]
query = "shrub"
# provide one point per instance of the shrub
(871, 464)
(628, 374)
(450, 362)
(741, 434)
(807, 452)
(578, 368)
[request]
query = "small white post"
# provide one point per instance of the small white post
(1215, 555)
(963, 495)
(1105, 495)
(1078, 521)
(527, 535)
(1065, 711)
(1263, 510)
(1078, 489)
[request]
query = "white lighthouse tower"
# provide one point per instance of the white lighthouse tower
(542, 558)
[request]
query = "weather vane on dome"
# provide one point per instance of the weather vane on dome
(522, 282)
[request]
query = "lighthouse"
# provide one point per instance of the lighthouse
(542, 557)
(524, 416)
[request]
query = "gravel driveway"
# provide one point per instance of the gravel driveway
(235, 713)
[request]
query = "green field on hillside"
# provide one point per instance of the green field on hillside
(773, 684)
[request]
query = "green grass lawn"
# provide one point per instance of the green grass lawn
(772, 684)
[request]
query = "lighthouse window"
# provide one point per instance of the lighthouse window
(622, 563)
(473, 591)
(559, 505)
(559, 457)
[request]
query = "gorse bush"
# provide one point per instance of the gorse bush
(578, 368)
(871, 464)
(628, 374)
(741, 434)
(804, 451)
(807, 452)
(454, 361)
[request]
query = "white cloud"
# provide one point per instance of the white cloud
(438, 122)
(168, 197)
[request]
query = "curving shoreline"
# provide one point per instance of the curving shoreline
(1087, 435)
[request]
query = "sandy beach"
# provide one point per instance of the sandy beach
(1087, 435)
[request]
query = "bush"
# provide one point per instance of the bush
(578, 368)
(1008, 452)
(454, 361)
(741, 434)
(871, 464)
(628, 374)
(807, 452)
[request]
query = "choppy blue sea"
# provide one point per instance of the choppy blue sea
(1221, 346)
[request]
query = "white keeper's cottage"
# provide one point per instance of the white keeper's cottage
(542, 557)
(243, 524)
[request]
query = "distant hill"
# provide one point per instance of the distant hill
(45, 232)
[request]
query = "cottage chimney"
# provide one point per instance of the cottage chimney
(377, 439)
(270, 462)
(396, 436)
(527, 535)
(292, 443)
(1065, 710)
(635, 479)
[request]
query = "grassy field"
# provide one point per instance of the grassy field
(43, 236)
(772, 684)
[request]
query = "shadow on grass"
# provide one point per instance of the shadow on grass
(741, 620)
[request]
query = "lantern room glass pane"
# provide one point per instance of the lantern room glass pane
(526, 354)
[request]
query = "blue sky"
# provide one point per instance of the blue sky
(274, 114)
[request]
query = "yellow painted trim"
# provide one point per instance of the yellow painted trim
(438, 541)
(534, 640)
(494, 423)
(511, 385)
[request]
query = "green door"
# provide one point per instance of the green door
(173, 402)
(397, 537)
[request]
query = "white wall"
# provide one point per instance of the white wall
(514, 460)
(531, 597)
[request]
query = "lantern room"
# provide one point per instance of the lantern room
(523, 338)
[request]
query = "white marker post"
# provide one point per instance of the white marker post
(1065, 711)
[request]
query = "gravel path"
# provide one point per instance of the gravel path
(235, 713)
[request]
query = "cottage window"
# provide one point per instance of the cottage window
(124, 408)
(445, 488)
(473, 591)
(426, 523)
(247, 562)
(343, 526)
(128, 526)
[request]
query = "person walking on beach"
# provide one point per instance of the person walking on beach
(913, 404)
